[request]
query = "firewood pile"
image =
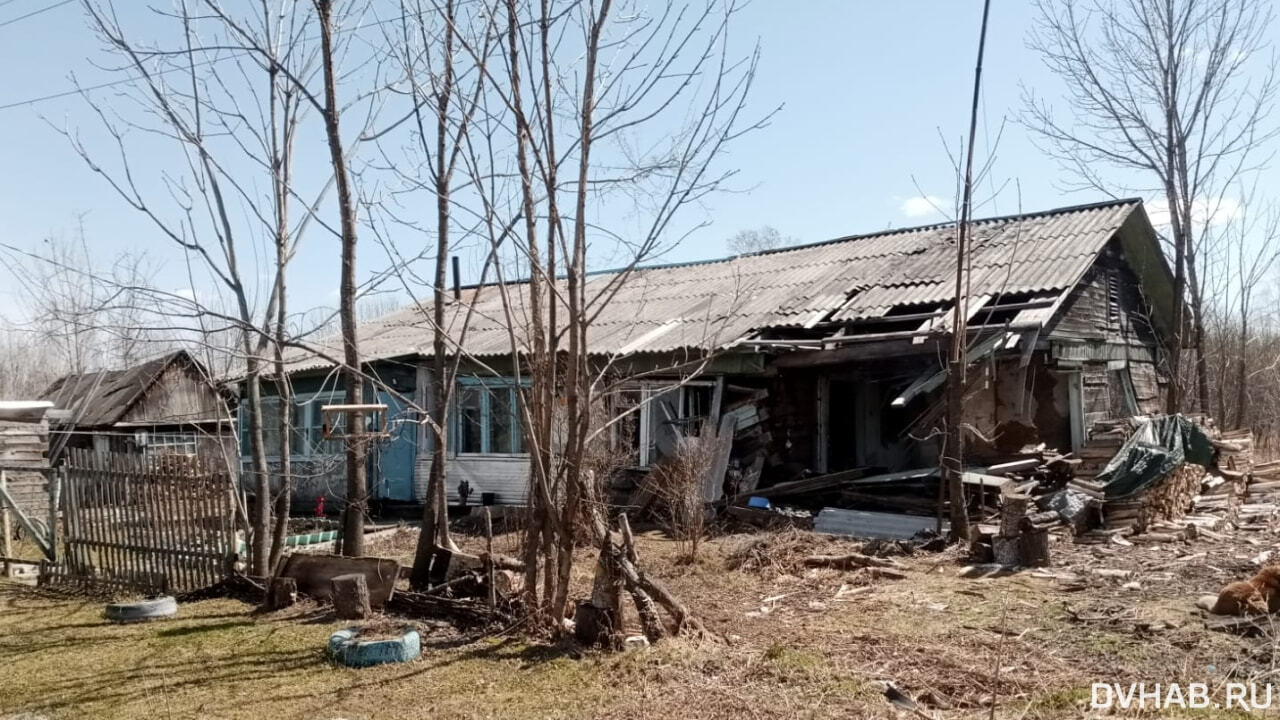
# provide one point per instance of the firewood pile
(1168, 499)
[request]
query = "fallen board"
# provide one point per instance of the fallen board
(314, 575)
(872, 525)
(808, 485)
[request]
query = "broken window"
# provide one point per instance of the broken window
(651, 419)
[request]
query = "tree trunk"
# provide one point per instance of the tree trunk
(259, 548)
(357, 489)
(1242, 375)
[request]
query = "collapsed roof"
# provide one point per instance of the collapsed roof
(893, 282)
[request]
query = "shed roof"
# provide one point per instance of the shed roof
(836, 283)
(103, 397)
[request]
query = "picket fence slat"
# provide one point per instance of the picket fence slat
(144, 524)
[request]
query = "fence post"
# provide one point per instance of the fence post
(55, 497)
(5, 525)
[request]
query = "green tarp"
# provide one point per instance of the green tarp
(1159, 445)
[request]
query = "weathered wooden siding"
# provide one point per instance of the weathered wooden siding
(1107, 306)
(24, 445)
(1002, 391)
(179, 395)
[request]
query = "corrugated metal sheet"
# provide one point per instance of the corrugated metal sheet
(871, 525)
(714, 303)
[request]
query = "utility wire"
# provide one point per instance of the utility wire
(184, 68)
(33, 13)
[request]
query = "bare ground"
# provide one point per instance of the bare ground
(789, 642)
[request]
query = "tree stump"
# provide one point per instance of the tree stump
(594, 626)
(281, 593)
(351, 597)
(1034, 548)
(1007, 551)
(1012, 509)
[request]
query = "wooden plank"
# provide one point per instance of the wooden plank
(822, 482)
(176, 510)
(713, 481)
(314, 574)
(5, 526)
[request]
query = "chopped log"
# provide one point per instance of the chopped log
(851, 561)
(1012, 510)
(1040, 521)
(1007, 551)
(282, 592)
(1033, 548)
(351, 597)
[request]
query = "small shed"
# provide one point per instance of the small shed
(24, 440)
(167, 406)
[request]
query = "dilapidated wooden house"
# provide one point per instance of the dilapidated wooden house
(829, 354)
(169, 405)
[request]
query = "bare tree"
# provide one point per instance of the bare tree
(765, 237)
(229, 130)
(1163, 92)
(580, 81)
(357, 490)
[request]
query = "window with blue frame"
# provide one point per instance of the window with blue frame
(306, 438)
(486, 417)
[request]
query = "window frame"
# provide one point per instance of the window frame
(164, 442)
(516, 426)
(649, 390)
(303, 424)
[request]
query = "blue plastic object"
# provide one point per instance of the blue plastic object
(759, 502)
(346, 647)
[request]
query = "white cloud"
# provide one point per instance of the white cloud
(1210, 211)
(186, 293)
(921, 206)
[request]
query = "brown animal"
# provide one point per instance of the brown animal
(1259, 594)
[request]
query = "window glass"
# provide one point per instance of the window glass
(501, 420)
(181, 443)
(319, 445)
(470, 405)
(664, 422)
(271, 425)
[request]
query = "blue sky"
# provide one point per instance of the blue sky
(867, 88)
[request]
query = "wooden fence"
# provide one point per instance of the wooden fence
(144, 524)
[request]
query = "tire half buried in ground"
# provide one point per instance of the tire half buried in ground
(346, 647)
(156, 608)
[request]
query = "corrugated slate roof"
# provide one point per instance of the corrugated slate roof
(713, 303)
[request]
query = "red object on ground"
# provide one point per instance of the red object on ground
(320, 506)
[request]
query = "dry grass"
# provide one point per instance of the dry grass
(792, 642)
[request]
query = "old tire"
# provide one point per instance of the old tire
(156, 608)
(347, 648)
